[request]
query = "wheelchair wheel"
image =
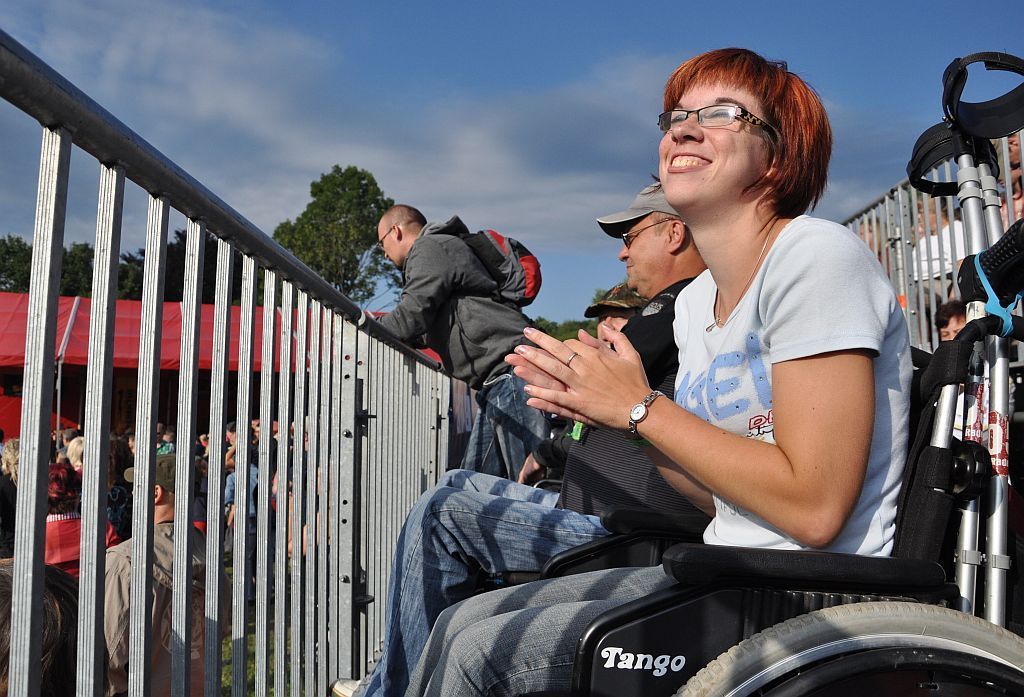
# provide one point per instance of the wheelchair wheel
(877, 649)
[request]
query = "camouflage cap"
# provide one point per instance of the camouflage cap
(620, 297)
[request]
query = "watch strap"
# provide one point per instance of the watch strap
(646, 402)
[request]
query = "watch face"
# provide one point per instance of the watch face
(638, 412)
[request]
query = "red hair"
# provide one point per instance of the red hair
(800, 147)
(65, 488)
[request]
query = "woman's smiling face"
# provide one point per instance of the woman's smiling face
(701, 166)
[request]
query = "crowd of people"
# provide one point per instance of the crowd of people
(62, 550)
(746, 332)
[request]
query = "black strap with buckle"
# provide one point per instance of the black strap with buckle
(942, 142)
(995, 118)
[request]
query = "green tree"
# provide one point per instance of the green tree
(336, 235)
(132, 265)
(76, 274)
(569, 329)
(15, 264)
(129, 275)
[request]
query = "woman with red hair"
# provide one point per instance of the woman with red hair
(788, 422)
(64, 519)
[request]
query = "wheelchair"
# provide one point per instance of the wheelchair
(786, 623)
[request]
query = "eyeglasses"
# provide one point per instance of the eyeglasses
(628, 238)
(380, 242)
(714, 116)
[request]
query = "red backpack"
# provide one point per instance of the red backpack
(512, 266)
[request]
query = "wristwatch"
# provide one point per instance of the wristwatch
(639, 411)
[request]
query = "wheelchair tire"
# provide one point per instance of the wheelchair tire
(786, 657)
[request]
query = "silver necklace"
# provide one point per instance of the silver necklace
(714, 307)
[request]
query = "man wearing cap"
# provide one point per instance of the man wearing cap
(117, 594)
(473, 524)
(616, 307)
(448, 304)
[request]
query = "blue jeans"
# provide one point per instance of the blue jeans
(505, 430)
(523, 639)
(470, 523)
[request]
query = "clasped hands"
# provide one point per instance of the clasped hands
(592, 380)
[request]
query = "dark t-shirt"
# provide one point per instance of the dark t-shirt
(8, 501)
(604, 468)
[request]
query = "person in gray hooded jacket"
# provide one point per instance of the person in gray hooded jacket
(448, 304)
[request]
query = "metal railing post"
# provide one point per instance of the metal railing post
(36, 408)
(215, 476)
(184, 479)
(264, 483)
(151, 332)
(99, 379)
(282, 497)
(240, 545)
(312, 486)
(298, 496)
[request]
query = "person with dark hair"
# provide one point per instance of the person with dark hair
(616, 306)
(66, 436)
(787, 423)
(59, 644)
(64, 519)
(166, 444)
(9, 460)
(119, 492)
(448, 304)
(950, 318)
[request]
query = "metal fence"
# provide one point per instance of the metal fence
(371, 422)
(919, 239)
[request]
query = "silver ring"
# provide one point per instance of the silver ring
(568, 363)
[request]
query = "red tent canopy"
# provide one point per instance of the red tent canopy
(73, 333)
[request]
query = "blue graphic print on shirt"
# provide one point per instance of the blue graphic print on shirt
(710, 394)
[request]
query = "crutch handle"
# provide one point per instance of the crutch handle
(1003, 263)
(996, 278)
(995, 118)
(942, 142)
(990, 325)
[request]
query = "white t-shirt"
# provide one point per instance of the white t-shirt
(819, 289)
(934, 264)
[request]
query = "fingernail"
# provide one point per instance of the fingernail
(528, 331)
(528, 389)
(521, 350)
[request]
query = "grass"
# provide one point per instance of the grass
(227, 669)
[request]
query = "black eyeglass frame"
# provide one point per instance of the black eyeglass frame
(380, 242)
(629, 237)
(665, 118)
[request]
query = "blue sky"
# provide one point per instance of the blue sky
(529, 117)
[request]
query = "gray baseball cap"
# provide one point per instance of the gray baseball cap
(650, 200)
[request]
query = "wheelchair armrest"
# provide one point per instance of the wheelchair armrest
(638, 548)
(627, 520)
(702, 564)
